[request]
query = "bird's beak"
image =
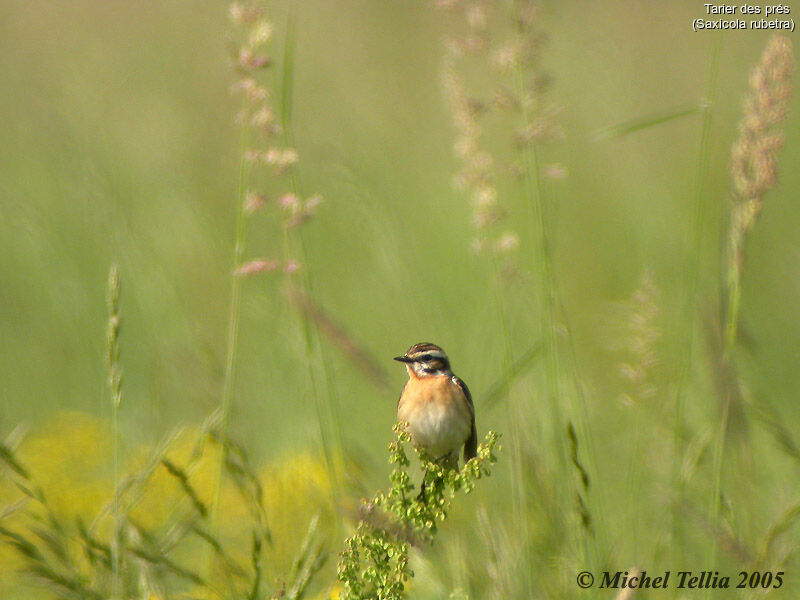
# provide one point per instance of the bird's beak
(403, 359)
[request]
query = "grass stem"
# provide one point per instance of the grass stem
(700, 201)
(115, 387)
(229, 379)
(320, 378)
(550, 306)
(542, 260)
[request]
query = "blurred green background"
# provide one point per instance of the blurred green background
(119, 145)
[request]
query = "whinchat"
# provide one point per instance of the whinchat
(437, 406)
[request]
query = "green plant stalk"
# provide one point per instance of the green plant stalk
(734, 293)
(294, 245)
(233, 311)
(516, 438)
(693, 277)
(635, 475)
(320, 384)
(731, 318)
(115, 547)
(640, 123)
(115, 387)
(517, 471)
(542, 259)
(549, 301)
(233, 336)
(733, 305)
(581, 416)
(716, 485)
(543, 262)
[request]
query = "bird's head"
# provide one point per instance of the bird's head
(425, 360)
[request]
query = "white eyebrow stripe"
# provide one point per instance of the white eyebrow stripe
(431, 353)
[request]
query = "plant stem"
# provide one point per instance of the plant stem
(549, 306)
(542, 259)
(115, 547)
(732, 308)
(233, 335)
(692, 285)
(294, 247)
(518, 478)
(115, 387)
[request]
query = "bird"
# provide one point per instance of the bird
(437, 406)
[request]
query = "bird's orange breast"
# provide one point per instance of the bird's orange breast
(437, 412)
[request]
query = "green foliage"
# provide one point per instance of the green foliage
(375, 561)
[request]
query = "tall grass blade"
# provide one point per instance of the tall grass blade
(517, 368)
(693, 278)
(647, 121)
(115, 388)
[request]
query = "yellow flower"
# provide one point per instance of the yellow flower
(70, 459)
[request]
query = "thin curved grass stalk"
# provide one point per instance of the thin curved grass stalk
(341, 339)
(513, 370)
(233, 311)
(309, 560)
(518, 477)
(233, 324)
(782, 524)
(248, 61)
(555, 371)
(693, 278)
(537, 128)
(637, 340)
(115, 387)
(541, 257)
(651, 120)
(320, 378)
(476, 176)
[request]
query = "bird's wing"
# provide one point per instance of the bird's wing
(471, 445)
